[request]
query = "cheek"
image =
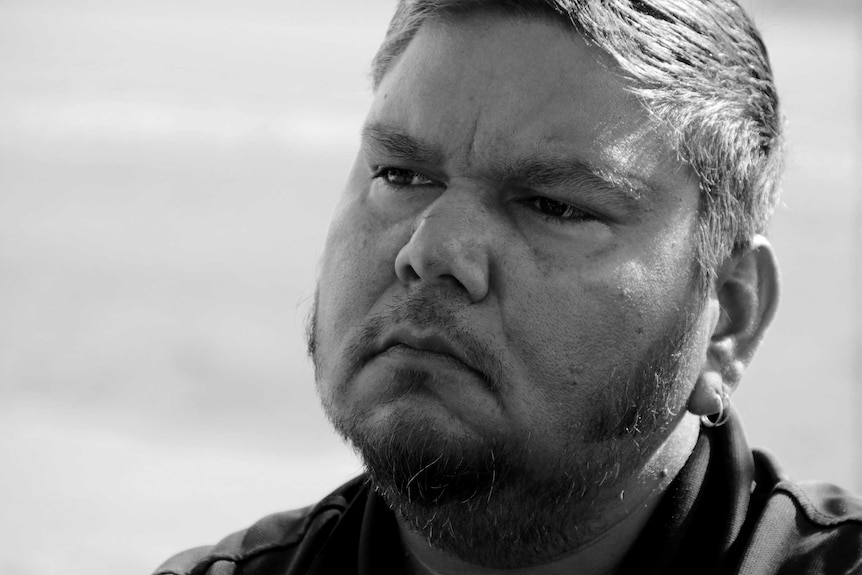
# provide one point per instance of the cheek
(349, 267)
(568, 334)
(358, 262)
(576, 329)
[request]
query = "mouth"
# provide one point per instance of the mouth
(428, 343)
(432, 347)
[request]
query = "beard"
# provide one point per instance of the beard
(485, 499)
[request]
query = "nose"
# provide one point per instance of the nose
(449, 246)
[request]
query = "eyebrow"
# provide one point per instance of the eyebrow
(400, 145)
(579, 174)
(553, 172)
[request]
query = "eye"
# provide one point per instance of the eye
(556, 210)
(402, 178)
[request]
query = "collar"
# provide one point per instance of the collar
(703, 512)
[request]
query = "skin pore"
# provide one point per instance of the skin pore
(506, 325)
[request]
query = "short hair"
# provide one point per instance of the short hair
(698, 66)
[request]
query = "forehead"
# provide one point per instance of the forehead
(488, 87)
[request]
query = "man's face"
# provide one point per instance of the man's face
(510, 264)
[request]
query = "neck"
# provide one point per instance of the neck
(626, 513)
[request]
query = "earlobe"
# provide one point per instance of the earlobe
(746, 288)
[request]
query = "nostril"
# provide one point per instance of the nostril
(406, 266)
(409, 274)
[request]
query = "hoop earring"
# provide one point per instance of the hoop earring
(723, 413)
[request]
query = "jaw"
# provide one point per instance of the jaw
(560, 527)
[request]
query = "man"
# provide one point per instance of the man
(541, 286)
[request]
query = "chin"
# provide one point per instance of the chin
(413, 447)
(483, 499)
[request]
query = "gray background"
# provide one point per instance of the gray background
(166, 173)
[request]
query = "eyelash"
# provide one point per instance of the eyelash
(540, 204)
(570, 213)
(385, 172)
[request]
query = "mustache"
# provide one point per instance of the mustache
(428, 309)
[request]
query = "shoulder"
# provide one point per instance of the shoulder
(807, 527)
(823, 504)
(820, 504)
(271, 544)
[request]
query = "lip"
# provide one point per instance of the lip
(429, 343)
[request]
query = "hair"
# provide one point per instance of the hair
(699, 66)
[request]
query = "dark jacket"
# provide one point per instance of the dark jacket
(729, 511)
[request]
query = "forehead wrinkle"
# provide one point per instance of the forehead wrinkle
(473, 150)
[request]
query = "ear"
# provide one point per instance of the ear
(746, 289)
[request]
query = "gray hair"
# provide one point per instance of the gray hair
(699, 66)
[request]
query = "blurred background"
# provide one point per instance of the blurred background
(166, 173)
